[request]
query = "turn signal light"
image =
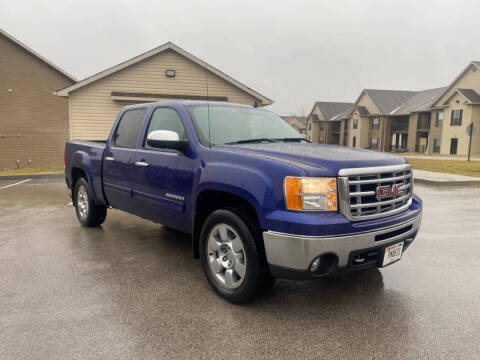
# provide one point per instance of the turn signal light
(309, 193)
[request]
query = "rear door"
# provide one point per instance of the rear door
(163, 179)
(119, 158)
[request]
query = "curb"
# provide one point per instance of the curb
(33, 176)
(472, 183)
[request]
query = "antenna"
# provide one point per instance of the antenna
(208, 106)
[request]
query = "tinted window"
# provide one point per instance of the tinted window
(129, 127)
(166, 119)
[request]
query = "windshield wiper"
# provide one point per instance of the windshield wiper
(293, 139)
(251, 141)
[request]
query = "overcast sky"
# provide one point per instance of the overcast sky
(294, 52)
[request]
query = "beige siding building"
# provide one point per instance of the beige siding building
(460, 104)
(322, 124)
(33, 122)
(297, 122)
(428, 121)
(164, 73)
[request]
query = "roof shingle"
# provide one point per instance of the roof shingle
(420, 101)
(388, 100)
(329, 110)
(470, 94)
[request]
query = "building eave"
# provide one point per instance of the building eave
(167, 46)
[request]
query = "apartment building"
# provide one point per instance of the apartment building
(324, 123)
(428, 121)
(297, 122)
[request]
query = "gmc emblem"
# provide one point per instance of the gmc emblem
(389, 191)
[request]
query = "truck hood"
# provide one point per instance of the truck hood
(329, 158)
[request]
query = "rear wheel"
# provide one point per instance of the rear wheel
(231, 260)
(88, 213)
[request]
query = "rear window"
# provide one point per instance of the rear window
(129, 128)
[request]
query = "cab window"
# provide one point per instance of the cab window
(166, 119)
(129, 128)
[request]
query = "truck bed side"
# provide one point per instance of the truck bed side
(85, 157)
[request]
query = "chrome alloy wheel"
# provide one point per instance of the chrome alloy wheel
(226, 256)
(82, 202)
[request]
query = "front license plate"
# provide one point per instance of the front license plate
(393, 253)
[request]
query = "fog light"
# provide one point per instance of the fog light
(315, 264)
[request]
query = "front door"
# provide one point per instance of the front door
(119, 157)
(453, 146)
(164, 178)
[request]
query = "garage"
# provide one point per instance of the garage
(164, 73)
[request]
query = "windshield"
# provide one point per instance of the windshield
(230, 124)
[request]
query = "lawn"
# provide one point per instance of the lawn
(471, 168)
(53, 169)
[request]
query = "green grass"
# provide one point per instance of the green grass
(52, 169)
(471, 168)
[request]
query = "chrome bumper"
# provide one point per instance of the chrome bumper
(297, 252)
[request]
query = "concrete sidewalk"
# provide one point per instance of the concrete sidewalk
(441, 157)
(442, 179)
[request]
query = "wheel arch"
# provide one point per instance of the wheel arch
(210, 200)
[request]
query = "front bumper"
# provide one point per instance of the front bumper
(290, 256)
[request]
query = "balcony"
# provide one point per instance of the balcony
(399, 127)
(423, 123)
(336, 129)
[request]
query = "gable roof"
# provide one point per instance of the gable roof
(302, 119)
(344, 114)
(471, 95)
(362, 110)
(420, 101)
(169, 45)
(476, 64)
(35, 54)
(388, 100)
(329, 110)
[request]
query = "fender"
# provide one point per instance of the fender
(83, 161)
(243, 181)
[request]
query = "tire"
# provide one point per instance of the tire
(231, 260)
(89, 214)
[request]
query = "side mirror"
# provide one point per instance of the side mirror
(166, 139)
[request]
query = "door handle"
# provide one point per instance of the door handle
(141, 163)
(109, 158)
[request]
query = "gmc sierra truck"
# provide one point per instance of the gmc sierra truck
(259, 201)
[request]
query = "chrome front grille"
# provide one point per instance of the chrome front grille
(370, 193)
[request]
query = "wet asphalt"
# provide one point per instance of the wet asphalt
(132, 290)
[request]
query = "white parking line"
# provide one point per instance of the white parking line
(21, 182)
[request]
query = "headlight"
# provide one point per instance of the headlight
(309, 193)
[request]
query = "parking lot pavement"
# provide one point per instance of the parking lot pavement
(131, 290)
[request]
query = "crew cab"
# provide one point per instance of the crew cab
(259, 201)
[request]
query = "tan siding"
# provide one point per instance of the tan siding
(476, 131)
(460, 132)
(93, 111)
(366, 101)
(33, 122)
(435, 132)
(470, 80)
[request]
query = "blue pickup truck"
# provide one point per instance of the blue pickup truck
(259, 201)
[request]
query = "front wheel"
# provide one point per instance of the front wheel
(230, 258)
(88, 213)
